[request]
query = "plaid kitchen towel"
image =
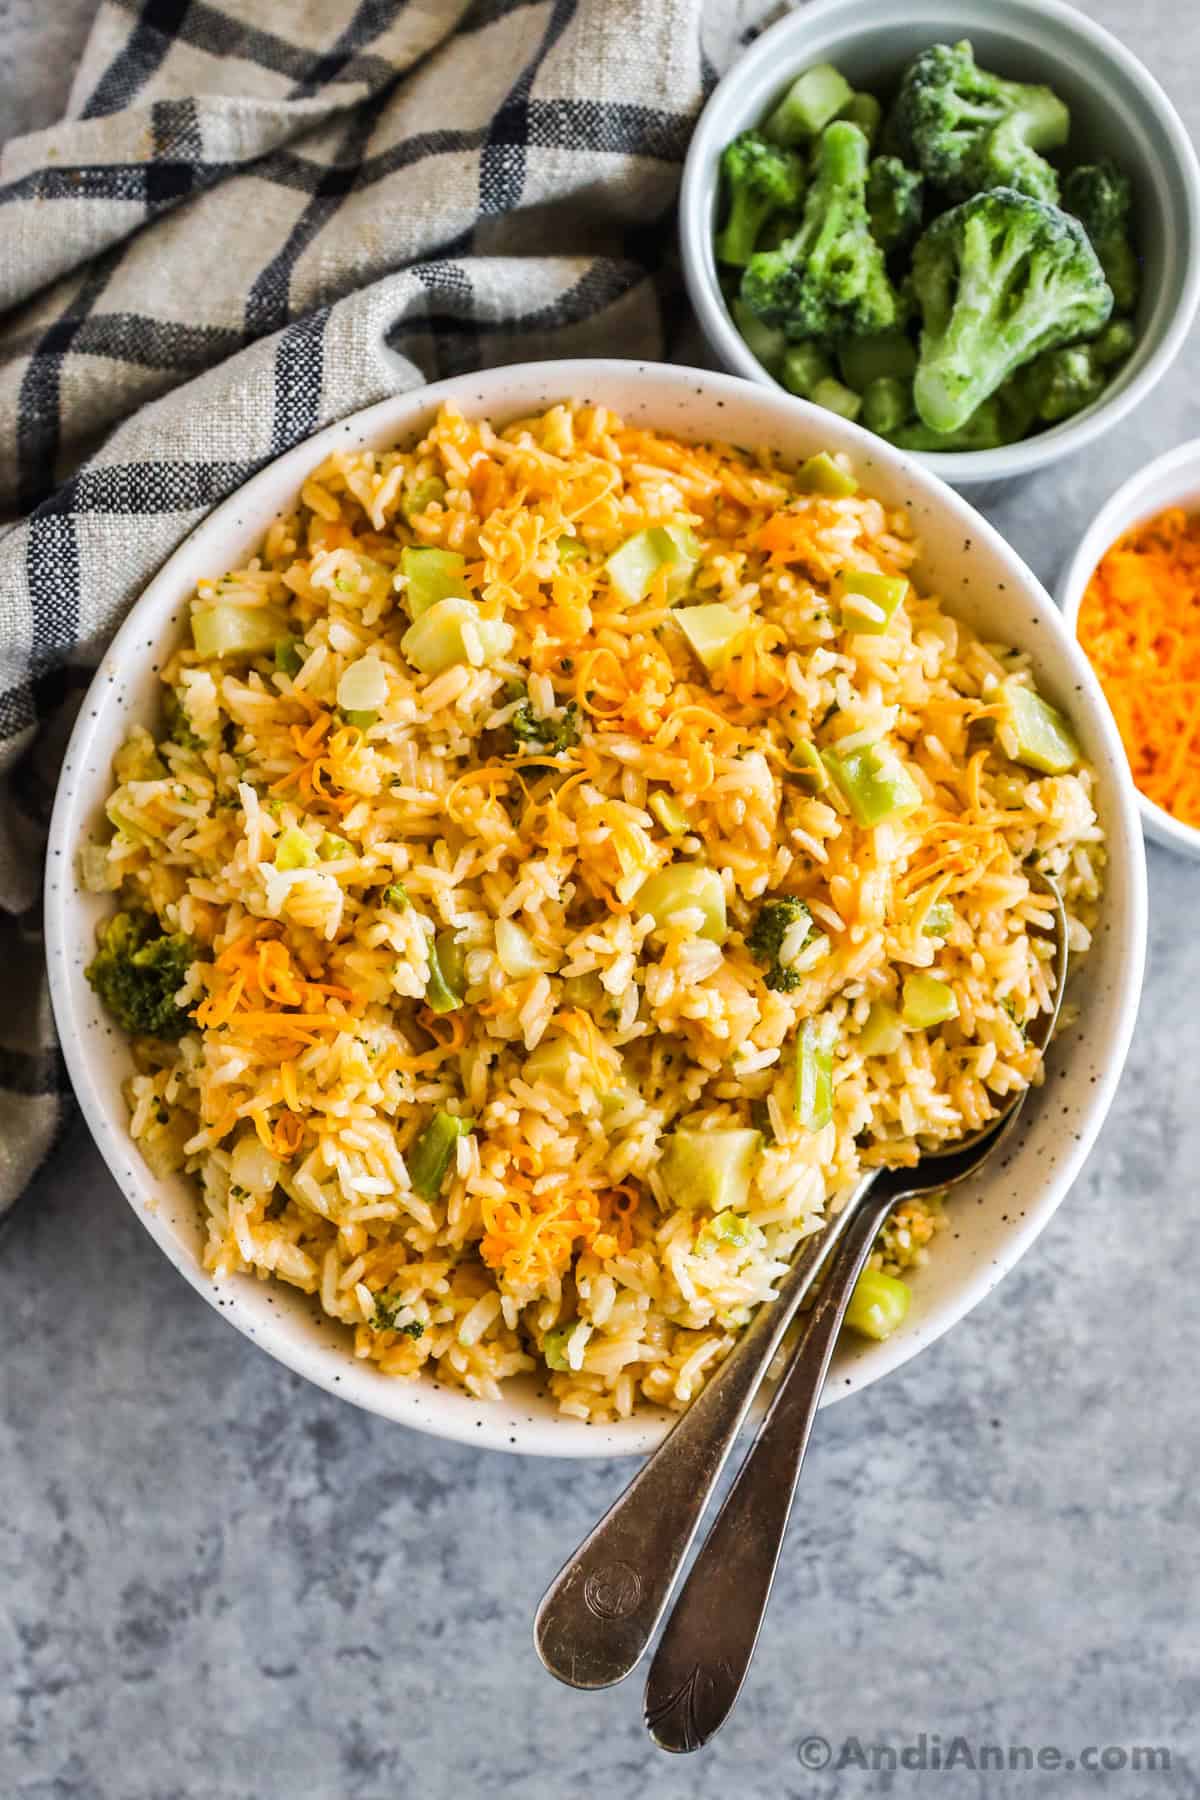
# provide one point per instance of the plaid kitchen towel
(255, 218)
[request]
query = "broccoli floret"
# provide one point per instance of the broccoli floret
(998, 279)
(829, 280)
(894, 195)
(384, 1319)
(552, 736)
(967, 129)
(1101, 198)
(179, 729)
(137, 971)
(775, 919)
(760, 179)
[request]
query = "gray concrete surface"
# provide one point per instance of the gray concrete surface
(219, 1584)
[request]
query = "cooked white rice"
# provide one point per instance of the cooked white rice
(313, 1064)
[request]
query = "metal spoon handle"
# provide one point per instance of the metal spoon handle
(701, 1662)
(604, 1605)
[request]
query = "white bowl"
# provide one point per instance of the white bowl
(1170, 480)
(1118, 110)
(963, 559)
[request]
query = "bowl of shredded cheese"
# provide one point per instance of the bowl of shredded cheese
(1132, 596)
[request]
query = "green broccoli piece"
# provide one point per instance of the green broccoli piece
(551, 736)
(886, 404)
(829, 280)
(760, 179)
(1060, 383)
(989, 426)
(968, 130)
(815, 97)
(774, 920)
(1101, 198)
(137, 971)
(894, 196)
(386, 1308)
(998, 279)
(864, 111)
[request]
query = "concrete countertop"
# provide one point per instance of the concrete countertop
(222, 1584)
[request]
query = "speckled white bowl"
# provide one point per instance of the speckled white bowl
(993, 1221)
(1117, 110)
(1170, 480)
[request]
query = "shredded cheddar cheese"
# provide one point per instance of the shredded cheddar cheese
(1140, 626)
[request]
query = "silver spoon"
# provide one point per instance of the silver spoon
(604, 1605)
(706, 1649)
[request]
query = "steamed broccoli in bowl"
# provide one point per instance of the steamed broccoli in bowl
(998, 285)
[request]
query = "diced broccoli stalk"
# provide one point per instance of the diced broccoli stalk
(447, 981)
(804, 762)
(878, 1304)
(670, 814)
(1115, 344)
(686, 887)
(829, 280)
(422, 495)
(431, 575)
(814, 98)
(883, 1032)
(759, 179)
(294, 849)
(968, 130)
(804, 366)
(428, 1159)
(894, 197)
(1101, 198)
(999, 279)
(780, 931)
(633, 567)
(864, 360)
(710, 1168)
(873, 782)
(711, 630)
(814, 1074)
(554, 1346)
(868, 600)
(1035, 733)
(137, 971)
(822, 475)
(290, 653)
(938, 919)
(550, 736)
(926, 1001)
(864, 111)
(766, 342)
(222, 630)
(837, 398)
(887, 404)
(452, 631)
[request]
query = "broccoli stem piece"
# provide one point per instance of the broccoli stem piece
(837, 398)
(886, 404)
(1101, 198)
(829, 279)
(759, 179)
(864, 111)
(814, 98)
(999, 279)
(968, 130)
(804, 365)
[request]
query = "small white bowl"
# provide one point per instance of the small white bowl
(1170, 480)
(1118, 110)
(993, 1220)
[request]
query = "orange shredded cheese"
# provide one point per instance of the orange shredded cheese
(1140, 626)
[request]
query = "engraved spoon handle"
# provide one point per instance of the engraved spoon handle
(705, 1651)
(604, 1605)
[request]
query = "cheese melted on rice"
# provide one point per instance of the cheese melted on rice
(314, 1064)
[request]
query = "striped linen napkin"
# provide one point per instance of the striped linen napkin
(254, 219)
